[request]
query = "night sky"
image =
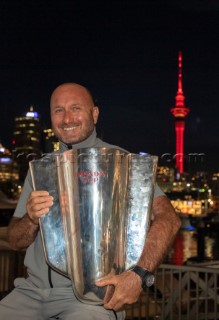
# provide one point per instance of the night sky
(126, 53)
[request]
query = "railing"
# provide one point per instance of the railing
(180, 292)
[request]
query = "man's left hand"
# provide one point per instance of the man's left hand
(124, 288)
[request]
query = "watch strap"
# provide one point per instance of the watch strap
(147, 277)
(140, 271)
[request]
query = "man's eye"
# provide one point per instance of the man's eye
(58, 110)
(76, 108)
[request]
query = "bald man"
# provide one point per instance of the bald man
(46, 294)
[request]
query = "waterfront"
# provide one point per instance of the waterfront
(195, 245)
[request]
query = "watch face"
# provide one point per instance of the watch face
(146, 276)
(148, 280)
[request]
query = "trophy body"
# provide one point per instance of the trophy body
(100, 216)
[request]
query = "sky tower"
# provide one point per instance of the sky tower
(180, 112)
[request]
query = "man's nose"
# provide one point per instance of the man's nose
(68, 117)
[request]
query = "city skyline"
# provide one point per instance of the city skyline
(126, 53)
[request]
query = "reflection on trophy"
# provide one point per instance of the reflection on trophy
(101, 213)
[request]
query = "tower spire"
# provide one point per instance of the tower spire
(180, 112)
(180, 96)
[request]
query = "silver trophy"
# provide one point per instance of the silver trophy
(101, 213)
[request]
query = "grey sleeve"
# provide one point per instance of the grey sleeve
(158, 192)
(21, 206)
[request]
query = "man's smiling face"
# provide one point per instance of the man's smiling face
(73, 114)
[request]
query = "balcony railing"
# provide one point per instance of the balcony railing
(180, 292)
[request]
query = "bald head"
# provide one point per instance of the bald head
(73, 86)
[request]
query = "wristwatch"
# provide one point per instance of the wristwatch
(147, 277)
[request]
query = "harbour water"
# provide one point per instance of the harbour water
(192, 243)
(195, 245)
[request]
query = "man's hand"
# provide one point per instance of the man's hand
(22, 231)
(122, 289)
(38, 204)
(126, 287)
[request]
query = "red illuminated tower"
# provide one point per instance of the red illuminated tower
(179, 112)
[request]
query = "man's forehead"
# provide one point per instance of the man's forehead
(74, 92)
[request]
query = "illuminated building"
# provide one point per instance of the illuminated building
(214, 184)
(8, 174)
(8, 167)
(50, 141)
(180, 112)
(189, 206)
(165, 178)
(26, 141)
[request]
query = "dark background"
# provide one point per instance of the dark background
(126, 53)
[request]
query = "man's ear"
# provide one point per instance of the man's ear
(95, 114)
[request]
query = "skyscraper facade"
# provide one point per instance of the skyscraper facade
(8, 173)
(50, 141)
(26, 141)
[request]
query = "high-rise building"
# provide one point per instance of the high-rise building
(180, 112)
(8, 174)
(26, 141)
(50, 141)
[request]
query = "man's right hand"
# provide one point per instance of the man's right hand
(22, 231)
(38, 204)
